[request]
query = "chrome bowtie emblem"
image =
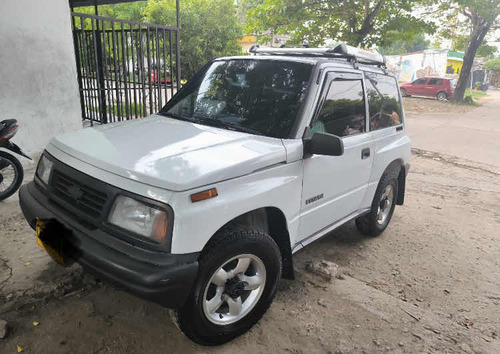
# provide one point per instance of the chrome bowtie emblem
(75, 192)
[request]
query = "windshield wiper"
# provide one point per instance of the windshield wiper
(211, 122)
(180, 117)
(226, 125)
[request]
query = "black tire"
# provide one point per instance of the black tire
(403, 92)
(368, 224)
(19, 174)
(191, 317)
(442, 96)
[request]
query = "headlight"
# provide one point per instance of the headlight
(139, 218)
(44, 169)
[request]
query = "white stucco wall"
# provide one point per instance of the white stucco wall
(38, 81)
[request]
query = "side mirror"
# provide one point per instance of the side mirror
(323, 144)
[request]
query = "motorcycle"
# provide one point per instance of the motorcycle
(11, 170)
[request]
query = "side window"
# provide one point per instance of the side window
(383, 101)
(421, 81)
(437, 82)
(343, 112)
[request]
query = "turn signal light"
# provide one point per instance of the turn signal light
(197, 197)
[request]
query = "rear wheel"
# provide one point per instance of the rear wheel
(442, 96)
(384, 202)
(236, 284)
(11, 175)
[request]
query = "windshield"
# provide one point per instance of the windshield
(251, 95)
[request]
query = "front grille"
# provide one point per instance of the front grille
(84, 198)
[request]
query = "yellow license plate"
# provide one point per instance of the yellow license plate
(55, 254)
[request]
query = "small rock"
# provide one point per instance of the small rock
(325, 269)
(3, 329)
(377, 343)
(401, 344)
(322, 304)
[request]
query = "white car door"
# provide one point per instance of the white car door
(334, 186)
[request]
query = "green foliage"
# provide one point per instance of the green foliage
(244, 6)
(493, 64)
(356, 22)
(459, 44)
(126, 11)
(400, 47)
(209, 28)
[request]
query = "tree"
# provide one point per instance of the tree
(481, 16)
(209, 28)
(418, 43)
(358, 22)
(493, 65)
(459, 44)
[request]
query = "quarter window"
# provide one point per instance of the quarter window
(420, 81)
(383, 101)
(343, 112)
(437, 82)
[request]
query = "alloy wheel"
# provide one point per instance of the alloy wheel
(234, 289)
(385, 204)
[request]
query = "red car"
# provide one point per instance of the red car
(154, 78)
(438, 87)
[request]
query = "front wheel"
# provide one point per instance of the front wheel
(11, 175)
(384, 202)
(236, 284)
(404, 93)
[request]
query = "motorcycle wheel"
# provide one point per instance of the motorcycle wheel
(11, 175)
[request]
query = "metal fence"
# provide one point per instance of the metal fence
(125, 69)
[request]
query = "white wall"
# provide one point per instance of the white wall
(38, 81)
(410, 66)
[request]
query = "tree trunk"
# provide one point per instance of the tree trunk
(475, 40)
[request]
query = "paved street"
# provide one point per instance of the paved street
(430, 283)
(473, 136)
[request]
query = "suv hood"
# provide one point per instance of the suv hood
(171, 154)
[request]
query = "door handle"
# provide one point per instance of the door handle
(365, 153)
(398, 129)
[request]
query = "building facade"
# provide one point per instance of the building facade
(38, 70)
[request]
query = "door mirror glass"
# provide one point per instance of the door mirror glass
(323, 144)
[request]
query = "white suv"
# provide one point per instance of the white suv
(201, 206)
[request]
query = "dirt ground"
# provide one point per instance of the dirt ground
(422, 105)
(430, 283)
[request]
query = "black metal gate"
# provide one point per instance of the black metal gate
(125, 69)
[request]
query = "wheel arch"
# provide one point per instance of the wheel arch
(398, 166)
(270, 220)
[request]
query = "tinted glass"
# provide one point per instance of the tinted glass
(437, 82)
(343, 113)
(419, 82)
(257, 96)
(383, 101)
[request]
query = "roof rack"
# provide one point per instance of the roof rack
(340, 51)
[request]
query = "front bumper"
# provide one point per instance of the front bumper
(163, 278)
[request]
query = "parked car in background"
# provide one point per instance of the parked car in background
(439, 87)
(162, 79)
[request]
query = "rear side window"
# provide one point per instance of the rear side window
(343, 112)
(420, 81)
(437, 82)
(383, 101)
